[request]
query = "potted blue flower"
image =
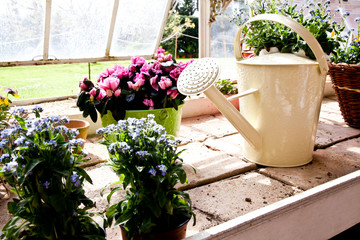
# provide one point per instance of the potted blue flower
(40, 164)
(149, 167)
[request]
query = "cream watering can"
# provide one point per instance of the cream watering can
(280, 98)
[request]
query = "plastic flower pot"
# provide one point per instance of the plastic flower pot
(169, 118)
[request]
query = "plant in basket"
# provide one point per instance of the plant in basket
(316, 16)
(141, 86)
(344, 71)
(41, 167)
(149, 166)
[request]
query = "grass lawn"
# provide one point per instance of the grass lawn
(50, 80)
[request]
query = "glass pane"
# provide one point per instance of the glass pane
(79, 29)
(223, 31)
(137, 27)
(21, 24)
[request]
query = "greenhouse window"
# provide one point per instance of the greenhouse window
(67, 31)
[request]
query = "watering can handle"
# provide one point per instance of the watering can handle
(295, 26)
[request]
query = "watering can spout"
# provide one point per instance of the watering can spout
(250, 134)
(200, 76)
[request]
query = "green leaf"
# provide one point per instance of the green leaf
(123, 217)
(112, 192)
(21, 121)
(181, 174)
(83, 173)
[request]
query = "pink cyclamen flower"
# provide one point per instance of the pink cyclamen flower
(153, 82)
(168, 57)
(165, 83)
(82, 85)
(137, 61)
(111, 83)
(117, 92)
(93, 92)
(160, 55)
(149, 103)
(101, 95)
(156, 67)
(139, 77)
(109, 93)
(121, 72)
(139, 82)
(145, 69)
(160, 50)
(175, 73)
(173, 93)
(184, 65)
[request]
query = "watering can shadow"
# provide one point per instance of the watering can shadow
(280, 98)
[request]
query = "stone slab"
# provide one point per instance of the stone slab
(330, 112)
(230, 144)
(204, 127)
(227, 199)
(329, 134)
(98, 153)
(328, 164)
(5, 197)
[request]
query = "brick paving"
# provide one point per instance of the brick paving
(226, 185)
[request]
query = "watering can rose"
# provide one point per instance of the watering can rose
(141, 86)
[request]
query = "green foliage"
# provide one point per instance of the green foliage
(186, 7)
(149, 168)
(5, 107)
(319, 21)
(226, 86)
(349, 52)
(181, 22)
(40, 164)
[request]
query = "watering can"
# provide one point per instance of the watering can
(280, 98)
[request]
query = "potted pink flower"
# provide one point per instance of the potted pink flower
(140, 86)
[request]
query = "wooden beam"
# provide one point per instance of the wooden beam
(112, 27)
(204, 28)
(47, 29)
(163, 24)
(64, 61)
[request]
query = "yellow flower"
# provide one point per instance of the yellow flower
(16, 95)
(1, 102)
(357, 38)
(332, 34)
(6, 101)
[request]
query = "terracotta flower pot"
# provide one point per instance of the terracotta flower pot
(175, 234)
(81, 125)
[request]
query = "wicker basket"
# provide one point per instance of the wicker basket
(346, 82)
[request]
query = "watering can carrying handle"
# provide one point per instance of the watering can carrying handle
(295, 26)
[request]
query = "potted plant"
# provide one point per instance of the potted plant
(344, 71)
(226, 86)
(141, 86)
(5, 116)
(149, 167)
(41, 167)
(263, 36)
(5, 107)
